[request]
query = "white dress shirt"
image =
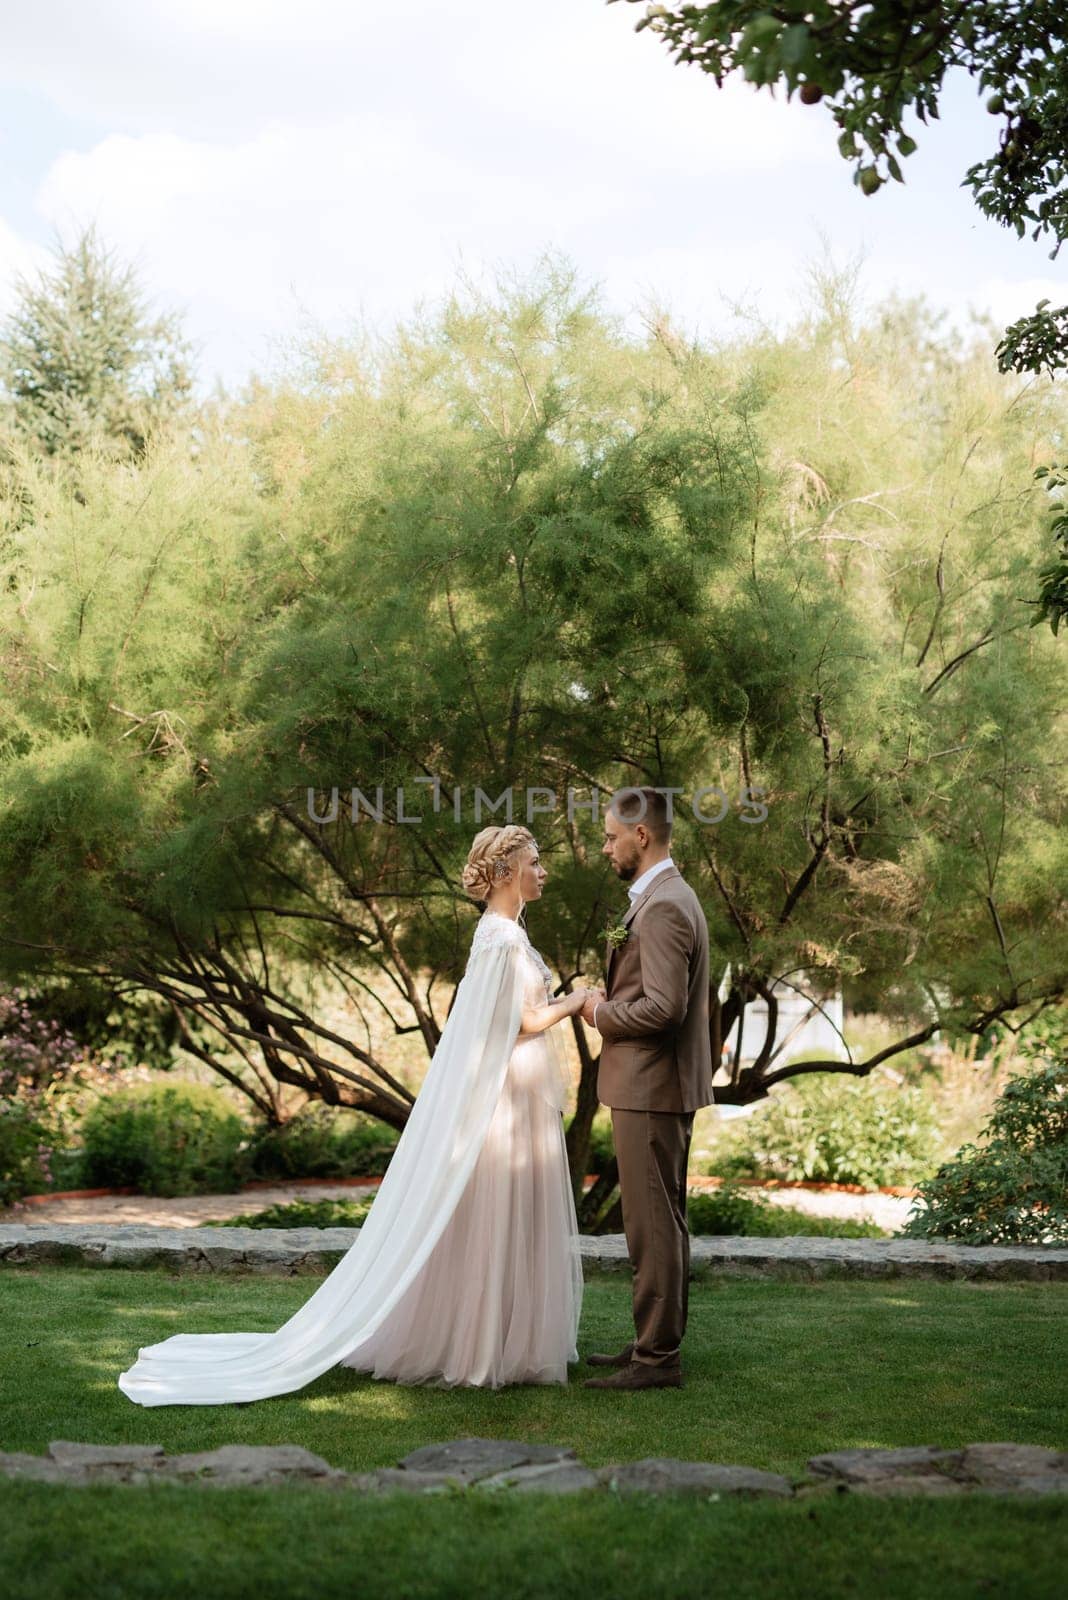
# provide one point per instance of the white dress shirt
(640, 885)
(636, 888)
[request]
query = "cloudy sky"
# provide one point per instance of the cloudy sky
(270, 164)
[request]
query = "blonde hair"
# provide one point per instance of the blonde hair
(489, 861)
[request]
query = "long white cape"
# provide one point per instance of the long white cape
(434, 1158)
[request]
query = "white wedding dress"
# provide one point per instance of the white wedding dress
(467, 1269)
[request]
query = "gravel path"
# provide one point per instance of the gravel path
(188, 1211)
(888, 1211)
(184, 1211)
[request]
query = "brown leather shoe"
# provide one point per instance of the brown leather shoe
(638, 1375)
(623, 1359)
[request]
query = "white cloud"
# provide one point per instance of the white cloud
(257, 158)
(473, 72)
(420, 136)
(1007, 298)
(360, 211)
(480, 69)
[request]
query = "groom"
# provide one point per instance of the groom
(655, 1071)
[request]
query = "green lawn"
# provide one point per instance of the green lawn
(775, 1372)
(111, 1543)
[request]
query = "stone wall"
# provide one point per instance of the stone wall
(317, 1250)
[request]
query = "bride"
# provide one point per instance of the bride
(467, 1269)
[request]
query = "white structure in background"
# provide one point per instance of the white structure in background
(803, 1025)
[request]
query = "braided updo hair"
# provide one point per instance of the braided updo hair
(491, 859)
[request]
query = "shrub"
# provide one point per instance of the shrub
(1014, 1188)
(729, 1210)
(321, 1143)
(67, 1169)
(40, 1063)
(835, 1129)
(724, 1211)
(165, 1139)
(302, 1214)
(25, 1152)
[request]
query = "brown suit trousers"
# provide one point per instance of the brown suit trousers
(652, 1152)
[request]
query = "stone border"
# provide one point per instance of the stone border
(508, 1464)
(317, 1250)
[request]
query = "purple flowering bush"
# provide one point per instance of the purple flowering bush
(41, 1063)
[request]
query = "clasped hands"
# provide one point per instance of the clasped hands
(593, 997)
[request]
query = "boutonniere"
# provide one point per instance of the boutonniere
(616, 933)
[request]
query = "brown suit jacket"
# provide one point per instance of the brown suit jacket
(656, 1053)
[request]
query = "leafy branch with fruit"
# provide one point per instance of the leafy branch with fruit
(874, 63)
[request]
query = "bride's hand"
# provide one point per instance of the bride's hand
(578, 1000)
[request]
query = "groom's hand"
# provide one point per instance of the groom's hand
(593, 999)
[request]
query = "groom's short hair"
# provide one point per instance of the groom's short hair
(627, 806)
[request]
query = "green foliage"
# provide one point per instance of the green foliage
(1035, 343)
(42, 1064)
(731, 1210)
(26, 1143)
(411, 567)
(1053, 592)
(728, 1210)
(835, 1130)
(65, 1166)
(1012, 1188)
(301, 1214)
(321, 1143)
(82, 361)
(877, 64)
(165, 1139)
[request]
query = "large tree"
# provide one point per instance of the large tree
(83, 359)
(515, 548)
